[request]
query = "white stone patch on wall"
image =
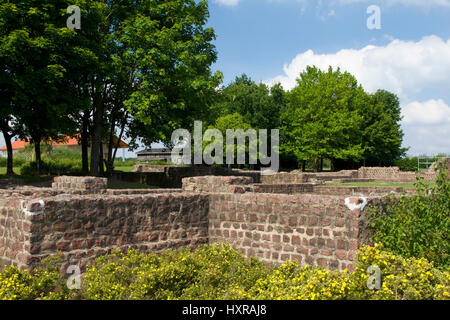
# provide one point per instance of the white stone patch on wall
(355, 203)
(32, 208)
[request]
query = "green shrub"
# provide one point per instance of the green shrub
(407, 164)
(211, 272)
(17, 161)
(418, 225)
(52, 167)
(401, 278)
(126, 163)
(219, 272)
(45, 282)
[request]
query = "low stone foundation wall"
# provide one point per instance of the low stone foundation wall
(171, 176)
(310, 223)
(393, 174)
(297, 177)
(83, 228)
(308, 228)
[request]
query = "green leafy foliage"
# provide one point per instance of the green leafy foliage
(322, 119)
(417, 225)
(219, 272)
(45, 282)
(407, 163)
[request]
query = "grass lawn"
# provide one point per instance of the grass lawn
(377, 184)
(123, 168)
(26, 179)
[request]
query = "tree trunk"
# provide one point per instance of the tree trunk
(96, 145)
(37, 152)
(102, 167)
(109, 160)
(303, 165)
(9, 161)
(316, 164)
(122, 129)
(321, 164)
(84, 143)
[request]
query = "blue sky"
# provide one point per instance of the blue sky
(274, 40)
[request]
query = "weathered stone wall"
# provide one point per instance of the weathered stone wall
(171, 176)
(85, 227)
(308, 228)
(88, 184)
(213, 184)
(15, 233)
(297, 177)
(393, 174)
(324, 229)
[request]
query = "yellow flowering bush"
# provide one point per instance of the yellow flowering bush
(289, 282)
(211, 272)
(219, 272)
(401, 278)
(45, 282)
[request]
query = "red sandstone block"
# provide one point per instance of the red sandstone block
(337, 234)
(276, 238)
(334, 264)
(322, 262)
(24, 258)
(63, 245)
(284, 257)
(341, 255)
(330, 243)
(59, 226)
(330, 212)
(26, 226)
(277, 246)
(288, 248)
(341, 244)
(351, 255)
(309, 260)
(292, 221)
(312, 221)
(353, 245)
(48, 245)
(295, 240)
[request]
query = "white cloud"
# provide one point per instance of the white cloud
(406, 68)
(431, 112)
(423, 3)
(227, 2)
(403, 67)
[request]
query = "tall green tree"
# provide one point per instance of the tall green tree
(322, 119)
(382, 133)
(153, 71)
(33, 54)
(258, 104)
